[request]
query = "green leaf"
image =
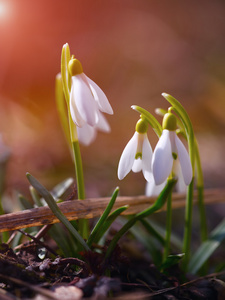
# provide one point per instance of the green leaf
(55, 209)
(59, 190)
(149, 118)
(171, 260)
(160, 201)
(24, 203)
(149, 242)
(207, 248)
(35, 196)
(152, 231)
(102, 219)
(65, 242)
(108, 222)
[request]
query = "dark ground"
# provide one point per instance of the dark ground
(25, 276)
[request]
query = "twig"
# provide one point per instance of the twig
(166, 290)
(44, 292)
(90, 208)
(38, 242)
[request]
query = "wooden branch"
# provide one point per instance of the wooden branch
(90, 208)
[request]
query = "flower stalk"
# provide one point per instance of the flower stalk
(168, 226)
(179, 109)
(66, 79)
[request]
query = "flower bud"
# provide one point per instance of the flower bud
(169, 122)
(141, 126)
(75, 67)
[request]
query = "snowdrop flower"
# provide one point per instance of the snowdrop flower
(137, 154)
(153, 190)
(168, 148)
(87, 100)
(87, 133)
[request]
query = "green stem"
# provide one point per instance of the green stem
(200, 188)
(168, 226)
(78, 170)
(83, 224)
(187, 226)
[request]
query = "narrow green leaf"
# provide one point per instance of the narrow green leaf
(24, 203)
(171, 260)
(108, 222)
(62, 108)
(59, 190)
(148, 226)
(55, 209)
(102, 218)
(156, 206)
(207, 248)
(35, 196)
(150, 118)
(63, 240)
(175, 240)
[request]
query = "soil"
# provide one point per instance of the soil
(25, 275)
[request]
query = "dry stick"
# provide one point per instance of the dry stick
(37, 289)
(90, 208)
(38, 242)
(166, 290)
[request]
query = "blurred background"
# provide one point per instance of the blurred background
(134, 50)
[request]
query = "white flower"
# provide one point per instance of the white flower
(136, 156)
(87, 100)
(167, 149)
(153, 190)
(87, 133)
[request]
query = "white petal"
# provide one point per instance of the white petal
(185, 162)
(102, 123)
(76, 117)
(153, 190)
(147, 158)
(100, 97)
(137, 165)
(162, 159)
(86, 134)
(128, 156)
(180, 185)
(84, 100)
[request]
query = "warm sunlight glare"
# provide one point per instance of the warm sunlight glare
(3, 10)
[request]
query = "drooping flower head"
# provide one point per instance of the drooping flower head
(137, 154)
(153, 190)
(168, 149)
(87, 103)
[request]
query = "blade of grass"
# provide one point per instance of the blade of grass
(55, 209)
(156, 206)
(150, 229)
(207, 248)
(108, 222)
(35, 196)
(58, 191)
(102, 218)
(24, 203)
(64, 241)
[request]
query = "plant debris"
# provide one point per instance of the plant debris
(23, 275)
